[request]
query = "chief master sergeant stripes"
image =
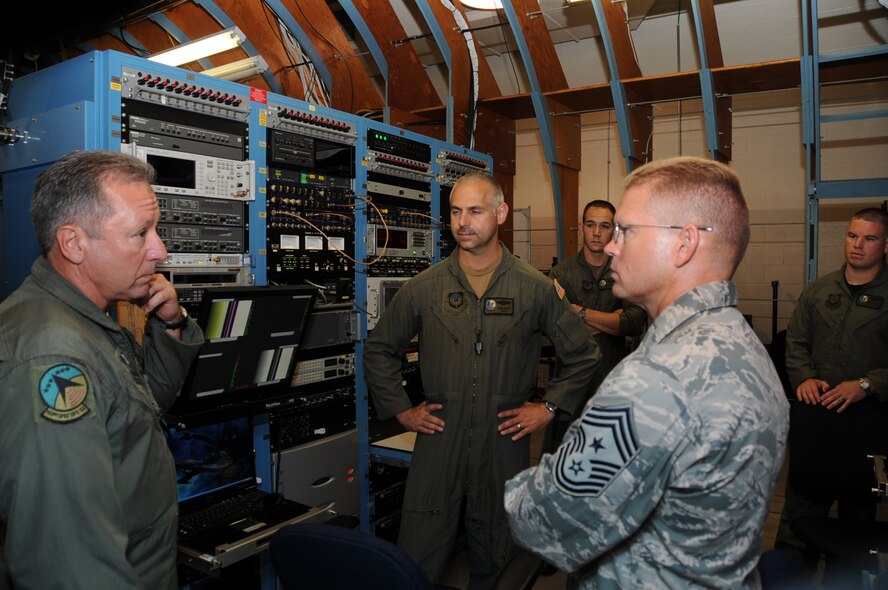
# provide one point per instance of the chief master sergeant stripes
(666, 479)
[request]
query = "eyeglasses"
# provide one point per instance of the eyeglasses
(620, 229)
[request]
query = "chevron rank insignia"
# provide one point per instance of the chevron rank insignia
(603, 446)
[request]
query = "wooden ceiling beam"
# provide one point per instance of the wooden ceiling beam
(352, 90)
(258, 23)
(408, 84)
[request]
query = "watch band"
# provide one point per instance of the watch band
(178, 324)
(865, 385)
(551, 407)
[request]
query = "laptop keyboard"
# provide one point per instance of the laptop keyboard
(226, 511)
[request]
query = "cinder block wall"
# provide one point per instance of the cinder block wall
(769, 156)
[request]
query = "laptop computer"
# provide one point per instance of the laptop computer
(223, 516)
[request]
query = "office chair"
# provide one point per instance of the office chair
(779, 572)
(332, 557)
(830, 461)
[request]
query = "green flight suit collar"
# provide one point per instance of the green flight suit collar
(506, 263)
(47, 278)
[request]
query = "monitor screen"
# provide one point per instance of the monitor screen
(212, 458)
(177, 172)
(252, 337)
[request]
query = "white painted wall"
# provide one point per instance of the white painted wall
(769, 156)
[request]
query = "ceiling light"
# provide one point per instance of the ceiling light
(482, 4)
(238, 70)
(200, 48)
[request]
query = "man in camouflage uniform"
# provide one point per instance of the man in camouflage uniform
(479, 315)
(666, 479)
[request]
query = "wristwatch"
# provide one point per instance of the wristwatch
(865, 385)
(178, 324)
(551, 407)
(582, 313)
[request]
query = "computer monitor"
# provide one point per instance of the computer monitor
(212, 457)
(252, 337)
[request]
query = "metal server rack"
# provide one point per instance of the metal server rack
(78, 105)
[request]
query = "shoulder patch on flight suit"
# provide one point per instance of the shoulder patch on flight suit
(499, 306)
(604, 445)
(62, 393)
(558, 288)
(870, 301)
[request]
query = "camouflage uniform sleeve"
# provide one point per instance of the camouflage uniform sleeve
(607, 476)
(799, 361)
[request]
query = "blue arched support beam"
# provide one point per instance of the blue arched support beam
(127, 39)
(541, 109)
(248, 47)
(444, 48)
(304, 41)
(378, 57)
(634, 125)
(813, 118)
(716, 110)
(810, 75)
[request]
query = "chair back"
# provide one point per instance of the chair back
(309, 556)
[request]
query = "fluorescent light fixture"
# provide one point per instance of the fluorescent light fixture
(200, 48)
(482, 4)
(238, 70)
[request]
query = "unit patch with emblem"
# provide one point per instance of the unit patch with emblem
(62, 392)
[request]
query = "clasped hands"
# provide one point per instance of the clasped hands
(817, 391)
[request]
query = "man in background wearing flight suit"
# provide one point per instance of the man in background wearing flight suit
(479, 315)
(665, 480)
(87, 482)
(837, 362)
(586, 278)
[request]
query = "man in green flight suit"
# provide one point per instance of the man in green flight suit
(587, 281)
(480, 315)
(87, 482)
(837, 361)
